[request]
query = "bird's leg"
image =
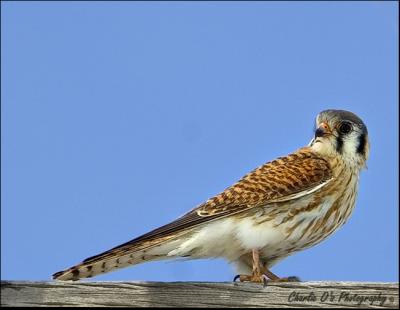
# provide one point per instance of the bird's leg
(256, 265)
(261, 274)
(270, 274)
(274, 278)
(257, 274)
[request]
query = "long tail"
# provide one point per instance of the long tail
(155, 245)
(127, 254)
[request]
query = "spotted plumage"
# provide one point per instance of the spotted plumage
(281, 207)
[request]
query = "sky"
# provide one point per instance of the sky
(119, 117)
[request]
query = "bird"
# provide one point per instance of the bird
(282, 207)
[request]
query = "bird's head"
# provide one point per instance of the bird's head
(341, 133)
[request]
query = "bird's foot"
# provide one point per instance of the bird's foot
(262, 278)
(287, 279)
(255, 278)
(261, 274)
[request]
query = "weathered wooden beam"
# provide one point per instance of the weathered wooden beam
(200, 294)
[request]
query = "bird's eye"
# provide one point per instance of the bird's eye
(345, 127)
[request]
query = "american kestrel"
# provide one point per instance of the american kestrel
(281, 207)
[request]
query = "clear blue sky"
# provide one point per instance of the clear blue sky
(118, 117)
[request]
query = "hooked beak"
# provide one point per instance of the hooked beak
(323, 130)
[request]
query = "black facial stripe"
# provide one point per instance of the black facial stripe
(339, 144)
(361, 144)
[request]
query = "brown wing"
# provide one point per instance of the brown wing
(285, 177)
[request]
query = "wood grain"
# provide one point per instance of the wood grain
(200, 294)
